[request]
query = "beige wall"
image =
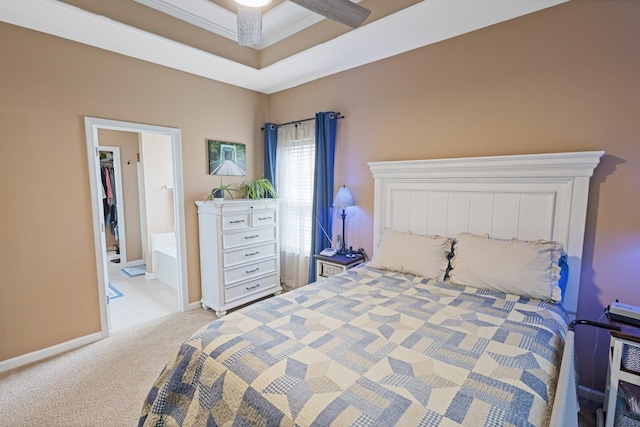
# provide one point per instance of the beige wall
(563, 79)
(48, 285)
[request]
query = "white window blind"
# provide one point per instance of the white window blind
(295, 159)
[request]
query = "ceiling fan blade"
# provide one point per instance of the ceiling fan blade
(249, 25)
(342, 11)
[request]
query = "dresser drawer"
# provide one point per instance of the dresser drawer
(233, 275)
(259, 219)
(249, 237)
(242, 206)
(250, 287)
(238, 256)
(235, 222)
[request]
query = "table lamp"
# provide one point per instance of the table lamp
(343, 200)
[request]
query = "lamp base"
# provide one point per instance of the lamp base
(348, 253)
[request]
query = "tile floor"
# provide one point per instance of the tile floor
(143, 300)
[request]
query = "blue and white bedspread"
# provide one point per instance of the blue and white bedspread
(368, 348)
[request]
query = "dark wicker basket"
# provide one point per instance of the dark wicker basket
(631, 358)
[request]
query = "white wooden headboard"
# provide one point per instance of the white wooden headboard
(534, 196)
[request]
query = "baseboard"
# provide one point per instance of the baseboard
(39, 355)
(590, 394)
(149, 275)
(134, 263)
(194, 306)
(57, 349)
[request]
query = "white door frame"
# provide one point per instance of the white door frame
(117, 170)
(92, 125)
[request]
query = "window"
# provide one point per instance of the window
(295, 164)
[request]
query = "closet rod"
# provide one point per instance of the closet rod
(305, 120)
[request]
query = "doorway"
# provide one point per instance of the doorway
(172, 191)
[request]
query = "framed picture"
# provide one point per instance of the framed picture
(227, 158)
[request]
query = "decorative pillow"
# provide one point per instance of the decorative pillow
(529, 269)
(425, 256)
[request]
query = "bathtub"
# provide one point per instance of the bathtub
(164, 258)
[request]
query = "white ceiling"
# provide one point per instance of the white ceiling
(424, 23)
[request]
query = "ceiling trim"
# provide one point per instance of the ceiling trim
(424, 23)
(278, 23)
(201, 13)
(285, 20)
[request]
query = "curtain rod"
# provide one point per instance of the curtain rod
(305, 120)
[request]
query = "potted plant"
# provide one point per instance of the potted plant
(217, 193)
(258, 189)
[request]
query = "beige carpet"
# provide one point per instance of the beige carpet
(101, 384)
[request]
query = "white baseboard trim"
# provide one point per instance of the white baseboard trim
(149, 275)
(134, 263)
(38, 355)
(590, 394)
(194, 306)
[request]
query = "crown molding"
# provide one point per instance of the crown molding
(424, 23)
(281, 22)
(201, 13)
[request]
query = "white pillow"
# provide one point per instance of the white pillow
(514, 266)
(425, 256)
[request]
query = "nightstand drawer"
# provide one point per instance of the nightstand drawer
(327, 266)
(631, 358)
(328, 270)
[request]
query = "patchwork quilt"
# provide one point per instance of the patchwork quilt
(368, 347)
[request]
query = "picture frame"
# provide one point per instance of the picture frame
(227, 158)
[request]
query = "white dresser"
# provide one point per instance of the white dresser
(239, 249)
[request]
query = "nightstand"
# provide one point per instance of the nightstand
(624, 365)
(327, 266)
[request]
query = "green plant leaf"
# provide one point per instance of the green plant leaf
(258, 189)
(226, 188)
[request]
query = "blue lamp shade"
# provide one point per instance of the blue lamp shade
(343, 199)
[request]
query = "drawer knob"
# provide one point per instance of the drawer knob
(253, 287)
(251, 237)
(264, 218)
(253, 271)
(252, 254)
(237, 221)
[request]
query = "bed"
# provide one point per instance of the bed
(445, 326)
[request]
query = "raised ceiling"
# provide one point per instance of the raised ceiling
(297, 46)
